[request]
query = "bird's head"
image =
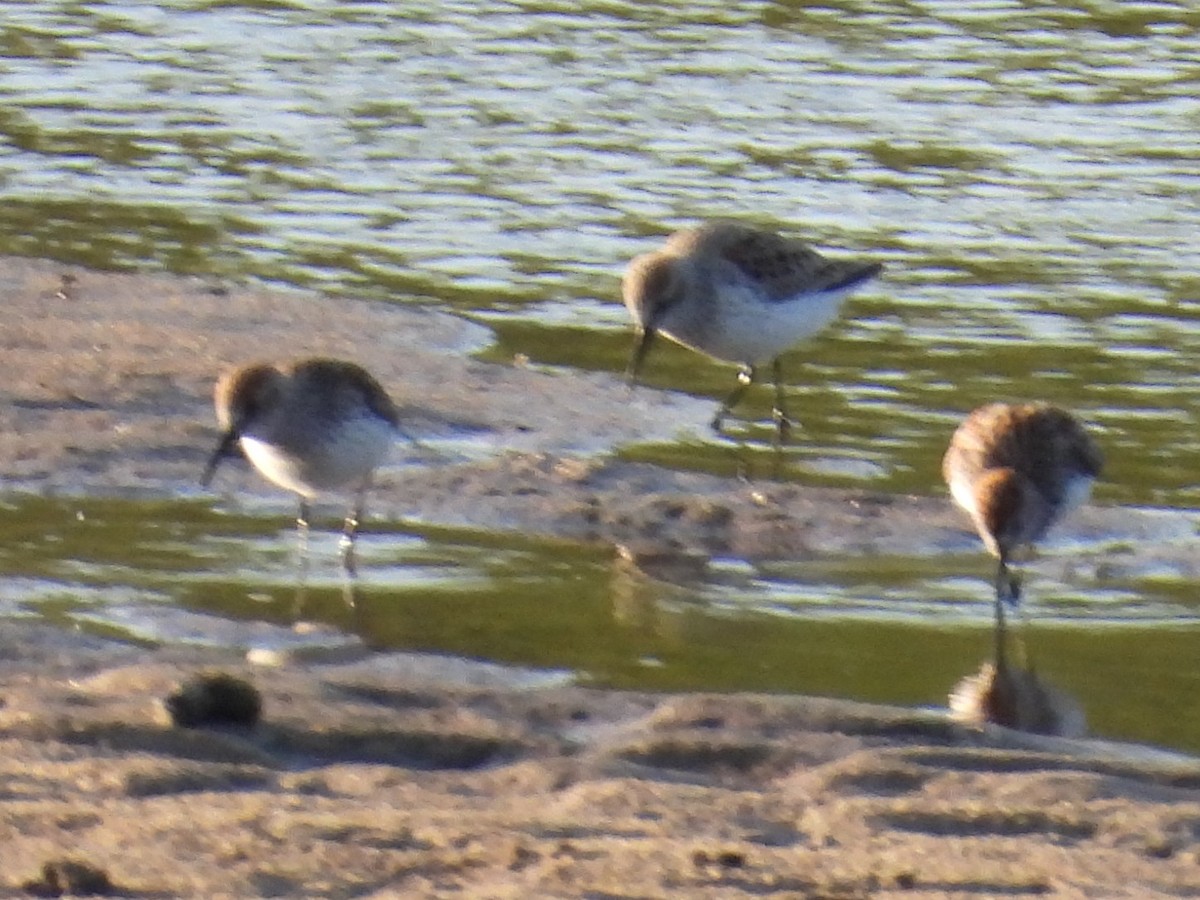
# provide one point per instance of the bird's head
(652, 285)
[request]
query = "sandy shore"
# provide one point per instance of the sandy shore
(402, 775)
(409, 776)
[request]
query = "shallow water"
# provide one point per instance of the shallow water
(1027, 172)
(896, 630)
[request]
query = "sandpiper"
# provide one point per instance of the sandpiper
(1016, 469)
(309, 426)
(739, 294)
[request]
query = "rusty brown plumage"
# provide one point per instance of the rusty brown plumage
(1016, 469)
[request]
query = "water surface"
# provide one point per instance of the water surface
(894, 630)
(1028, 172)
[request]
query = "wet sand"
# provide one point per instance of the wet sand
(410, 776)
(406, 775)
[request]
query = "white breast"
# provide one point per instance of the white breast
(345, 457)
(741, 326)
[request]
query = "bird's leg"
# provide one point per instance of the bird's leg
(783, 425)
(1002, 700)
(302, 536)
(350, 532)
(302, 560)
(745, 379)
(350, 590)
(1008, 584)
(1008, 591)
(1001, 657)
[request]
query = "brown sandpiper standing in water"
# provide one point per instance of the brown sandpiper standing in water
(740, 294)
(1017, 469)
(310, 426)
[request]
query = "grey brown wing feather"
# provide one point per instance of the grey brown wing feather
(1041, 442)
(1069, 451)
(344, 376)
(787, 268)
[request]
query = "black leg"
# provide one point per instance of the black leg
(745, 379)
(1014, 589)
(302, 518)
(1008, 585)
(783, 425)
(1000, 651)
(1008, 591)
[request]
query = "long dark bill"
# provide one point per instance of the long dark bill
(224, 449)
(645, 339)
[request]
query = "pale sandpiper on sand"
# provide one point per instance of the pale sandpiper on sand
(739, 294)
(310, 426)
(1016, 470)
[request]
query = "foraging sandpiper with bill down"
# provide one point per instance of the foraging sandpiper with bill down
(1017, 469)
(739, 294)
(310, 426)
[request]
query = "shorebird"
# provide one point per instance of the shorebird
(310, 426)
(739, 294)
(1016, 470)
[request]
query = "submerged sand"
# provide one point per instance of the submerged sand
(415, 776)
